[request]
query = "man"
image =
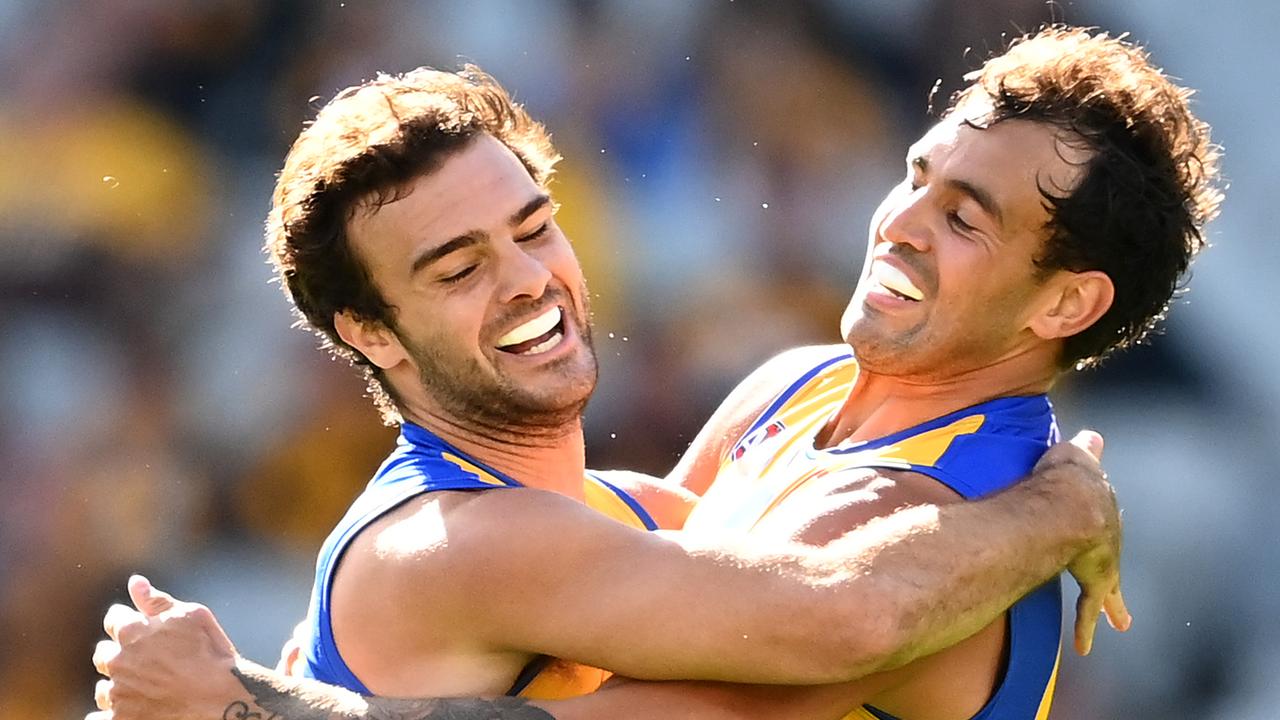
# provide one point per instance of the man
(923, 351)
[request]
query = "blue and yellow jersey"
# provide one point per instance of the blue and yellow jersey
(423, 463)
(975, 451)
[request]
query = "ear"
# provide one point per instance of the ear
(1075, 302)
(372, 339)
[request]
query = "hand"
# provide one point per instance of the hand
(1097, 567)
(166, 660)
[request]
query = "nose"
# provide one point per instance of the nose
(905, 221)
(523, 274)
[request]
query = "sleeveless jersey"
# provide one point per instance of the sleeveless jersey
(975, 451)
(422, 463)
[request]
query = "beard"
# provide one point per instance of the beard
(483, 398)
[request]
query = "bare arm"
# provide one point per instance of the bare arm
(883, 593)
(952, 570)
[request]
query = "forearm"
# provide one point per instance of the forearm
(690, 700)
(267, 695)
(938, 574)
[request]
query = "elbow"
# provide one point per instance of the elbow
(877, 649)
(871, 639)
(833, 645)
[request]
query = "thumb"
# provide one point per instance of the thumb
(1090, 442)
(148, 599)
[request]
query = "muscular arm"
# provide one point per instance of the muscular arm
(883, 593)
(951, 569)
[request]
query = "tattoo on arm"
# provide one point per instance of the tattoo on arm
(275, 697)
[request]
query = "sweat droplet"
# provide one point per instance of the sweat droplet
(111, 181)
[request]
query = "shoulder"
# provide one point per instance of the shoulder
(749, 400)
(446, 549)
(777, 376)
(784, 370)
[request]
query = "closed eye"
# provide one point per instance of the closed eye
(459, 275)
(536, 234)
(958, 223)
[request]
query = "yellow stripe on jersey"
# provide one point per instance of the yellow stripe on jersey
(818, 391)
(798, 483)
(927, 447)
(1047, 700)
(484, 475)
(600, 498)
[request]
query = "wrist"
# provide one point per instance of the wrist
(231, 695)
(1068, 496)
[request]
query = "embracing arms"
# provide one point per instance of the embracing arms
(179, 663)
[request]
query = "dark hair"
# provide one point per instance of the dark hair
(364, 146)
(1149, 186)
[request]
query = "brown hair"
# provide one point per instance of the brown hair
(364, 146)
(1150, 184)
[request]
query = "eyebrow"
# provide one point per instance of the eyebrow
(529, 208)
(979, 195)
(465, 240)
(476, 237)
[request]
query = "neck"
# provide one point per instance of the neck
(552, 460)
(880, 404)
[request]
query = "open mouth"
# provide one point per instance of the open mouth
(535, 336)
(896, 282)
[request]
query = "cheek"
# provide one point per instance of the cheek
(562, 262)
(882, 214)
(454, 324)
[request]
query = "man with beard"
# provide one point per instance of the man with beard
(466, 302)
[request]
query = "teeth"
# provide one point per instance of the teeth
(532, 329)
(893, 279)
(545, 345)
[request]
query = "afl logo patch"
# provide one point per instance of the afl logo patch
(757, 436)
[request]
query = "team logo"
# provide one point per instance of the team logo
(755, 437)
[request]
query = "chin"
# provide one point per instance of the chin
(567, 393)
(850, 319)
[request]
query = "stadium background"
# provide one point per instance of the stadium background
(722, 160)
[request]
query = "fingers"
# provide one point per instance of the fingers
(1118, 615)
(147, 598)
(100, 715)
(122, 619)
(103, 654)
(211, 627)
(1088, 607)
(102, 694)
(1089, 441)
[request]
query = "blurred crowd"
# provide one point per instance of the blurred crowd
(722, 159)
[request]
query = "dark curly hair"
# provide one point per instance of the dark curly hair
(365, 146)
(1149, 186)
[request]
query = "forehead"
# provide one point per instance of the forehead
(1011, 159)
(476, 188)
